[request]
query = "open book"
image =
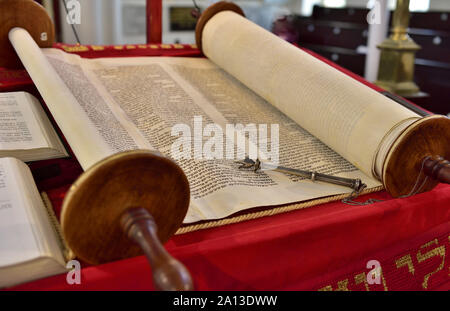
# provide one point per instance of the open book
(30, 245)
(26, 132)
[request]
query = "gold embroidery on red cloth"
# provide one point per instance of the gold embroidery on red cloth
(14, 74)
(97, 47)
(131, 47)
(142, 46)
(118, 47)
(166, 46)
(405, 261)
(342, 286)
(359, 278)
(438, 251)
(154, 46)
(362, 278)
(75, 48)
(383, 280)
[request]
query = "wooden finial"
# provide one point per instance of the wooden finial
(126, 205)
(168, 273)
(26, 14)
(438, 168)
(408, 162)
(209, 13)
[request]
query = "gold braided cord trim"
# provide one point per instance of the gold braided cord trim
(269, 212)
(67, 252)
(220, 222)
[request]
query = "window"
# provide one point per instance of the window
(307, 5)
(334, 3)
(414, 5)
(419, 5)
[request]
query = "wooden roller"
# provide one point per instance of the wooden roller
(209, 13)
(419, 153)
(30, 16)
(416, 162)
(126, 205)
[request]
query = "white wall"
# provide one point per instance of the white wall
(96, 26)
(435, 5)
(97, 16)
(439, 5)
(357, 3)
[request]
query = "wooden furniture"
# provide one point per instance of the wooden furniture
(431, 31)
(349, 15)
(336, 33)
(332, 33)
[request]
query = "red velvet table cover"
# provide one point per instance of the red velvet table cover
(326, 247)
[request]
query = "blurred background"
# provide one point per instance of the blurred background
(108, 22)
(336, 29)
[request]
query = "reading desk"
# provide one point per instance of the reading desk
(324, 247)
(331, 246)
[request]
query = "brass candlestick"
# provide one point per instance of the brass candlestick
(396, 71)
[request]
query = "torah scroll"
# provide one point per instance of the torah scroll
(343, 113)
(327, 120)
(366, 128)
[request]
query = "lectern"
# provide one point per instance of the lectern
(123, 196)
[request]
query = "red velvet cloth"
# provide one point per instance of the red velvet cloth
(324, 247)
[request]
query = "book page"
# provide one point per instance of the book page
(17, 242)
(19, 128)
(29, 247)
(154, 95)
(80, 132)
(109, 120)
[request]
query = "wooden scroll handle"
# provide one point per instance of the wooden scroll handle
(168, 273)
(438, 168)
(30, 16)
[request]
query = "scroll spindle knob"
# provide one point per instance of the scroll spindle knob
(438, 168)
(168, 273)
(113, 210)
